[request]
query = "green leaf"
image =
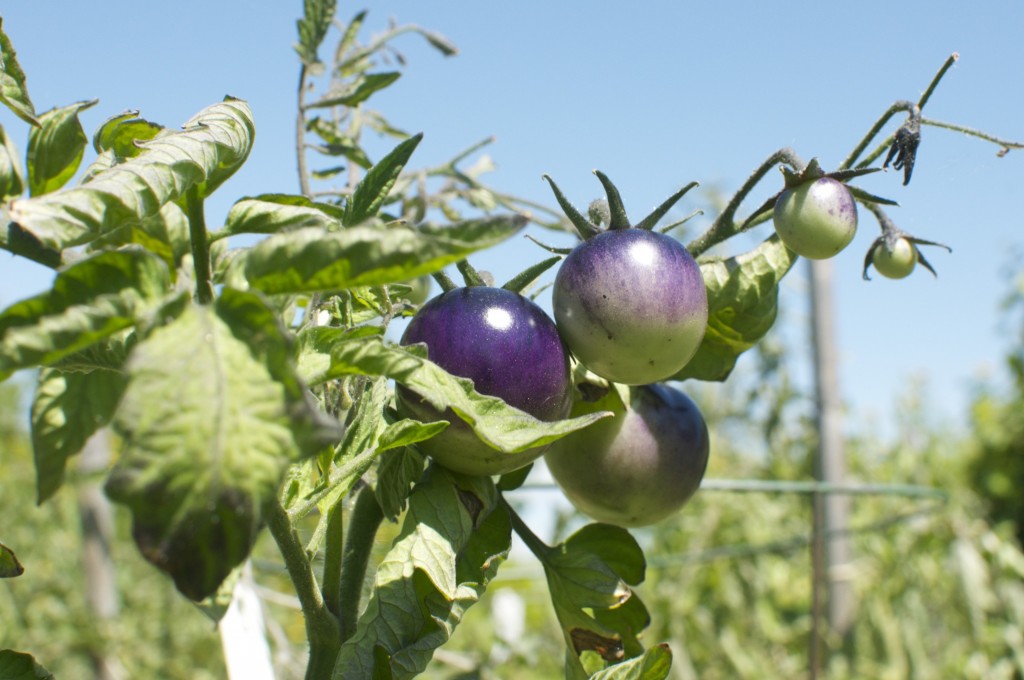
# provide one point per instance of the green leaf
(212, 416)
(452, 540)
(165, 234)
(653, 665)
(589, 578)
(407, 432)
(209, 149)
(89, 301)
(743, 296)
(20, 666)
(18, 241)
(12, 174)
(273, 213)
(359, 92)
(13, 92)
(10, 567)
(55, 148)
(398, 471)
(375, 186)
(67, 409)
(316, 19)
(122, 133)
(310, 260)
(501, 426)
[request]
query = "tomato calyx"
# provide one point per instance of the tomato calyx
(889, 243)
(610, 214)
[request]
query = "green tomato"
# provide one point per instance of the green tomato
(816, 219)
(896, 262)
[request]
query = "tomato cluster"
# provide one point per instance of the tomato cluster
(631, 306)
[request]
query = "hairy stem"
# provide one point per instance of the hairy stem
(333, 542)
(902, 105)
(300, 135)
(321, 626)
(935, 81)
(724, 227)
(200, 245)
(1004, 143)
(536, 546)
(365, 519)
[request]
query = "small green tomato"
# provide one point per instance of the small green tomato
(816, 219)
(897, 261)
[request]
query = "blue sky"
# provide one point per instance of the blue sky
(655, 94)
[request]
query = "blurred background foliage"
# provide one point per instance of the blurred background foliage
(939, 584)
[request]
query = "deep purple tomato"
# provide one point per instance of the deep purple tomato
(631, 305)
(639, 466)
(510, 349)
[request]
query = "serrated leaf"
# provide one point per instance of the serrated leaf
(89, 301)
(437, 568)
(310, 260)
(197, 469)
(19, 666)
(55, 148)
(312, 27)
(361, 90)
(67, 409)
(210, 148)
(655, 664)
(10, 567)
(12, 174)
(121, 134)
(274, 213)
(13, 92)
(742, 305)
(373, 189)
(501, 426)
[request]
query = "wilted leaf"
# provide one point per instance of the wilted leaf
(89, 301)
(743, 296)
(310, 260)
(10, 567)
(13, 92)
(55, 148)
(211, 418)
(208, 150)
(398, 471)
(436, 569)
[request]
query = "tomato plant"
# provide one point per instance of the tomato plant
(259, 387)
(639, 466)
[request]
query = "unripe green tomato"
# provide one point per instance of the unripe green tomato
(816, 219)
(897, 262)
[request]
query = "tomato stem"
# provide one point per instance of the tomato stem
(200, 245)
(365, 519)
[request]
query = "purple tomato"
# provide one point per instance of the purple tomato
(509, 348)
(639, 466)
(631, 305)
